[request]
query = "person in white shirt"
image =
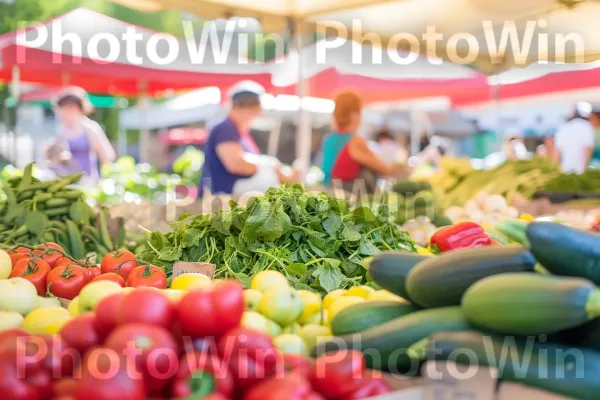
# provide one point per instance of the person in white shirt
(574, 141)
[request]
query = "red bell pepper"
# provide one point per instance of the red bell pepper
(202, 374)
(463, 235)
(372, 386)
(338, 374)
(293, 386)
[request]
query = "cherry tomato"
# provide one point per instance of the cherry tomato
(155, 352)
(145, 305)
(147, 275)
(221, 308)
(80, 333)
(92, 272)
(66, 282)
(14, 257)
(120, 261)
(106, 314)
(51, 256)
(34, 270)
(111, 276)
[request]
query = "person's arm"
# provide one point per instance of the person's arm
(100, 144)
(231, 155)
(361, 153)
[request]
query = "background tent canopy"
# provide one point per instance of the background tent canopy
(386, 18)
(125, 74)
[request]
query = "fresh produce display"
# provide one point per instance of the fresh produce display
(420, 230)
(51, 211)
(498, 296)
(588, 182)
(316, 241)
(462, 183)
(463, 235)
(483, 209)
(177, 355)
(417, 199)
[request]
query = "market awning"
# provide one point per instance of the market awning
(377, 78)
(45, 97)
(569, 26)
(87, 64)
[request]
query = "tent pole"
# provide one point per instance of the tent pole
(121, 135)
(274, 135)
(304, 131)
(16, 93)
(144, 140)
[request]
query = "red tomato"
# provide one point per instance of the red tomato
(111, 276)
(147, 275)
(257, 346)
(51, 256)
(106, 314)
(221, 308)
(97, 384)
(119, 261)
(80, 333)
(61, 262)
(66, 282)
(23, 250)
(14, 257)
(34, 270)
(155, 352)
(93, 272)
(147, 306)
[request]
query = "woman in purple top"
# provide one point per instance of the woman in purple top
(78, 135)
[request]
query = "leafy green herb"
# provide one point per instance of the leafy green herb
(316, 241)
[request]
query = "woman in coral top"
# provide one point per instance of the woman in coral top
(347, 157)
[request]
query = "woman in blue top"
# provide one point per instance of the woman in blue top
(79, 136)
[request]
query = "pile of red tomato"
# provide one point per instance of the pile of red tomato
(52, 272)
(140, 345)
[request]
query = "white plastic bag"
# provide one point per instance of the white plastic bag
(264, 178)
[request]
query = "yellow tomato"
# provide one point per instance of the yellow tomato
(526, 217)
(73, 307)
(424, 251)
(360, 291)
(191, 282)
(384, 295)
(312, 304)
(45, 320)
(332, 296)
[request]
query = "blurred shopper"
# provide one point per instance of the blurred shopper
(595, 120)
(231, 154)
(575, 141)
(388, 148)
(347, 156)
(81, 145)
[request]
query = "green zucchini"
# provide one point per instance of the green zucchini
(368, 315)
(390, 269)
(440, 220)
(442, 280)
(566, 251)
(531, 304)
(385, 346)
(514, 230)
(548, 366)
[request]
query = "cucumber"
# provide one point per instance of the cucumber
(553, 367)
(514, 230)
(586, 335)
(440, 220)
(385, 346)
(531, 304)
(410, 187)
(566, 251)
(367, 315)
(441, 281)
(390, 269)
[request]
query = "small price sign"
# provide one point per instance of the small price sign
(184, 267)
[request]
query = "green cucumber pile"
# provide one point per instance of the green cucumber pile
(52, 211)
(488, 306)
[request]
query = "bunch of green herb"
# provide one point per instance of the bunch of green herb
(316, 241)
